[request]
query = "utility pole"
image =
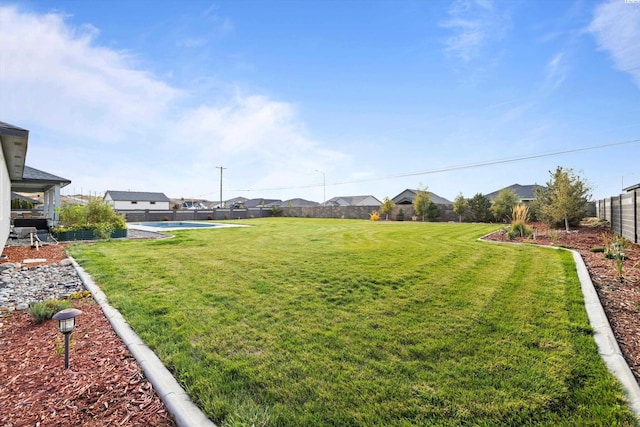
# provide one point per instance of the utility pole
(221, 169)
(324, 187)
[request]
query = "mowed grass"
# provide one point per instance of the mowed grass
(309, 322)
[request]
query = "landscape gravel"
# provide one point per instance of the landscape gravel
(22, 286)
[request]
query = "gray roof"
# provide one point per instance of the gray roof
(33, 174)
(298, 203)
(351, 201)
(631, 188)
(524, 192)
(28, 199)
(408, 195)
(36, 181)
(254, 203)
(136, 196)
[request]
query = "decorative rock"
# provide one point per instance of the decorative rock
(65, 262)
(21, 286)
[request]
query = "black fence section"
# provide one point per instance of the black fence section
(346, 212)
(623, 213)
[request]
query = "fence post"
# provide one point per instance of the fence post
(635, 216)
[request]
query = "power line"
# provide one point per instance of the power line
(456, 167)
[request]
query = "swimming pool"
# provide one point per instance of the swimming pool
(176, 225)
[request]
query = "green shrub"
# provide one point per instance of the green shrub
(276, 211)
(43, 311)
(519, 229)
(96, 215)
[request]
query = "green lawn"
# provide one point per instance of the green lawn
(308, 322)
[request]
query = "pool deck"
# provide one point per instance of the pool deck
(196, 226)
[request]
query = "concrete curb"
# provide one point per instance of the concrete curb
(178, 403)
(605, 339)
(608, 347)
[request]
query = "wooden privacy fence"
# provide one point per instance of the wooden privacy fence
(623, 213)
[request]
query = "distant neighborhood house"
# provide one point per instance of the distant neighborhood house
(298, 203)
(136, 200)
(353, 201)
(408, 196)
(257, 203)
(526, 193)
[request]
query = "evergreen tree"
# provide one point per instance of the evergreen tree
(479, 209)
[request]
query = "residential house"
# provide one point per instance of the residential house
(353, 201)
(235, 203)
(408, 196)
(265, 203)
(526, 193)
(136, 200)
(16, 176)
(632, 188)
(298, 203)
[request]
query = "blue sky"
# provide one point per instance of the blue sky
(372, 97)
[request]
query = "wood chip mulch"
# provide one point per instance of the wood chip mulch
(104, 385)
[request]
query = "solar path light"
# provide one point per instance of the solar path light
(66, 324)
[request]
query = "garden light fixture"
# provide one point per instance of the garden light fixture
(66, 324)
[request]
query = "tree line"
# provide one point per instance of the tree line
(562, 202)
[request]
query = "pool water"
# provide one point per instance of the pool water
(157, 226)
(178, 224)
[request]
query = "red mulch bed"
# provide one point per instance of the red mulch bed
(620, 298)
(104, 385)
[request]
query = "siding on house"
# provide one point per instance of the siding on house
(136, 200)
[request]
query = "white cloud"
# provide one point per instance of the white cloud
(616, 28)
(555, 72)
(120, 127)
(474, 24)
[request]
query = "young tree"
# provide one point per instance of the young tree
(386, 207)
(421, 203)
(460, 205)
(503, 205)
(480, 209)
(433, 212)
(565, 198)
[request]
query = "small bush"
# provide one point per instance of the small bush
(519, 229)
(400, 215)
(374, 216)
(276, 211)
(43, 311)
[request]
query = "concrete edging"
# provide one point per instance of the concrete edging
(608, 347)
(603, 335)
(177, 401)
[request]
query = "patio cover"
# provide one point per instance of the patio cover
(26, 179)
